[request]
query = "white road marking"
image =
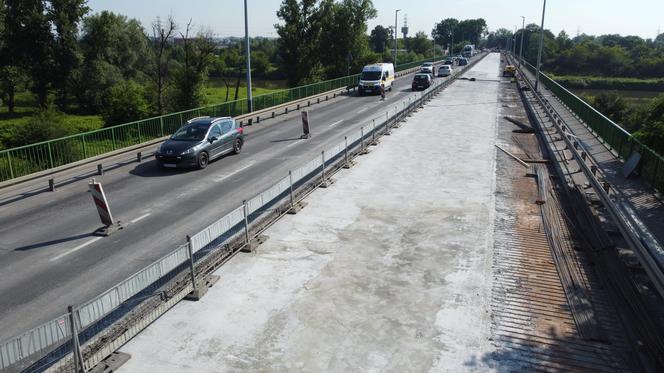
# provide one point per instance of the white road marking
(337, 122)
(226, 176)
(294, 143)
(140, 218)
(363, 110)
(75, 249)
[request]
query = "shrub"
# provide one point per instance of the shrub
(124, 102)
(45, 125)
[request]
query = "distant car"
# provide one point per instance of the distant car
(445, 70)
(421, 81)
(200, 141)
(427, 67)
(463, 61)
(509, 71)
(449, 61)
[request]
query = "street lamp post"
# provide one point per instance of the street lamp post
(514, 42)
(452, 47)
(539, 53)
(523, 31)
(395, 37)
(250, 101)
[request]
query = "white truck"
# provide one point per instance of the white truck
(373, 75)
(468, 50)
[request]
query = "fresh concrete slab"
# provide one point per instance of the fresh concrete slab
(388, 270)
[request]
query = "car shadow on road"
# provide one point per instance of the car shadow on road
(154, 169)
(44, 244)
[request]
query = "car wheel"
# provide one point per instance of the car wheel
(237, 146)
(203, 160)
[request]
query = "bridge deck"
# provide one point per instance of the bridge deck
(428, 255)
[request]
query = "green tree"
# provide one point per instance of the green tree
(445, 30)
(29, 42)
(65, 16)
(114, 49)
(343, 32)
(190, 76)
(299, 36)
(124, 102)
(421, 44)
(12, 79)
(379, 38)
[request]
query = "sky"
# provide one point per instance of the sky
(593, 17)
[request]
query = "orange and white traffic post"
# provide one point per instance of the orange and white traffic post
(99, 198)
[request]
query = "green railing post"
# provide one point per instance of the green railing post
(50, 154)
(138, 128)
(9, 162)
(113, 138)
(85, 151)
(161, 125)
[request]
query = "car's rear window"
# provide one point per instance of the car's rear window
(420, 77)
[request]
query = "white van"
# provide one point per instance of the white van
(372, 75)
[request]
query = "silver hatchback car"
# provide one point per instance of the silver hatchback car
(199, 141)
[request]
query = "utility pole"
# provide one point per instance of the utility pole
(523, 31)
(452, 47)
(395, 37)
(250, 100)
(539, 53)
(514, 43)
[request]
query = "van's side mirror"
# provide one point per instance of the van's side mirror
(212, 139)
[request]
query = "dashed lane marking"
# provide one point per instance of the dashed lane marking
(57, 257)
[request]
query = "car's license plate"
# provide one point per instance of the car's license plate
(169, 165)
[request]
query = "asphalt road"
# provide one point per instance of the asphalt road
(49, 258)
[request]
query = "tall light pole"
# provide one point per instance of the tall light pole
(523, 31)
(396, 31)
(452, 47)
(539, 53)
(514, 43)
(434, 42)
(250, 100)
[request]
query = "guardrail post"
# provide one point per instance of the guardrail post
(76, 347)
(50, 154)
(9, 162)
(373, 133)
(51, 185)
(292, 197)
(246, 222)
(363, 148)
(161, 125)
(113, 137)
(346, 164)
(100, 169)
(192, 271)
(85, 151)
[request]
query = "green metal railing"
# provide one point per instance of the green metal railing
(25, 160)
(651, 167)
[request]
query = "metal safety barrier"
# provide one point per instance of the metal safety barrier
(651, 165)
(90, 318)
